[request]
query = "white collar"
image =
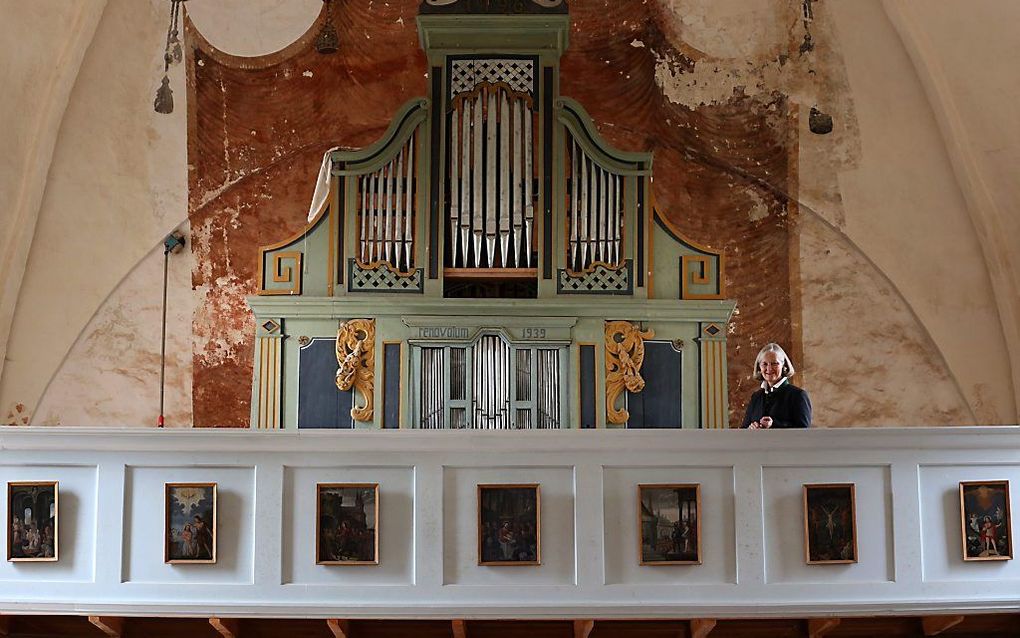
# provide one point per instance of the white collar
(770, 390)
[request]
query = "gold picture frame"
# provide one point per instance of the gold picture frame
(667, 537)
(26, 542)
(188, 537)
(830, 523)
(986, 530)
(510, 524)
(346, 534)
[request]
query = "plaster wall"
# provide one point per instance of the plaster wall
(39, 66)
(903, 210)
(975, 93)
(116, 185)
(884, 186)
(111, 374)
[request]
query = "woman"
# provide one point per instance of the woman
(779, 403)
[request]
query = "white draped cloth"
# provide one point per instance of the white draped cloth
(321, 193)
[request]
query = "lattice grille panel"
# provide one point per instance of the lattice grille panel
(466, 74)
(600, 281)
(384, 279)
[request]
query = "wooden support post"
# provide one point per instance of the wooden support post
(935, 625)
(459, 628)
(701, 627)
(227, 627)
(112, 626)
(339, 628)
(818, 627)
(5, 625)
(583, 628)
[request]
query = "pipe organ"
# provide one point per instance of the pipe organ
(500, 264)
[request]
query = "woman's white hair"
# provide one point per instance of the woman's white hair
(788, 368)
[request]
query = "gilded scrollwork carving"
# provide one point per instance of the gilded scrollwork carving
(355, 354)
(625, 353)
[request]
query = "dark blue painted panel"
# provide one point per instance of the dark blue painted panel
(320, 403)
(587, 379)
(391, 392)
(658, 405)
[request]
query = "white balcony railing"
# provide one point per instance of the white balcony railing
(908, 519)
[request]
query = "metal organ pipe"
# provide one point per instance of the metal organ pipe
(398, 221)
(504, 180)
(408, 238)
(517, 200)
(490, 177)
(455, 183)
(529, 172)
(465, 184)
(476, 173)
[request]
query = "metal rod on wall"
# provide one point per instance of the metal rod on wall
(172, 243)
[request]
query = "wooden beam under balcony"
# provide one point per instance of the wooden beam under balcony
(583, 628)
(339, 628)
(701, 627)
(112, 626)
(227, 627)
(819, 627)
(935, 625)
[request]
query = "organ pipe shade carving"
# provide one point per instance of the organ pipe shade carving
(625, 354)
(355, 355)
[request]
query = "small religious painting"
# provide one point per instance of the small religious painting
(830, 524)
(190, 532)
(347, 519)
(32, 511)
(669, 519)
(509, 525)
(987, 531)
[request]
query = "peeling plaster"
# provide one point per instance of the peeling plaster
(885, 369)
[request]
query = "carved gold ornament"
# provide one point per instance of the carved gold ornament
(625, 353)
(355, 353)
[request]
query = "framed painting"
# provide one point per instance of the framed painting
(830, 524)
(32, 521)
(984, 519)
(509, 524)
(190, 523)
(669, 524)
(347, 524)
